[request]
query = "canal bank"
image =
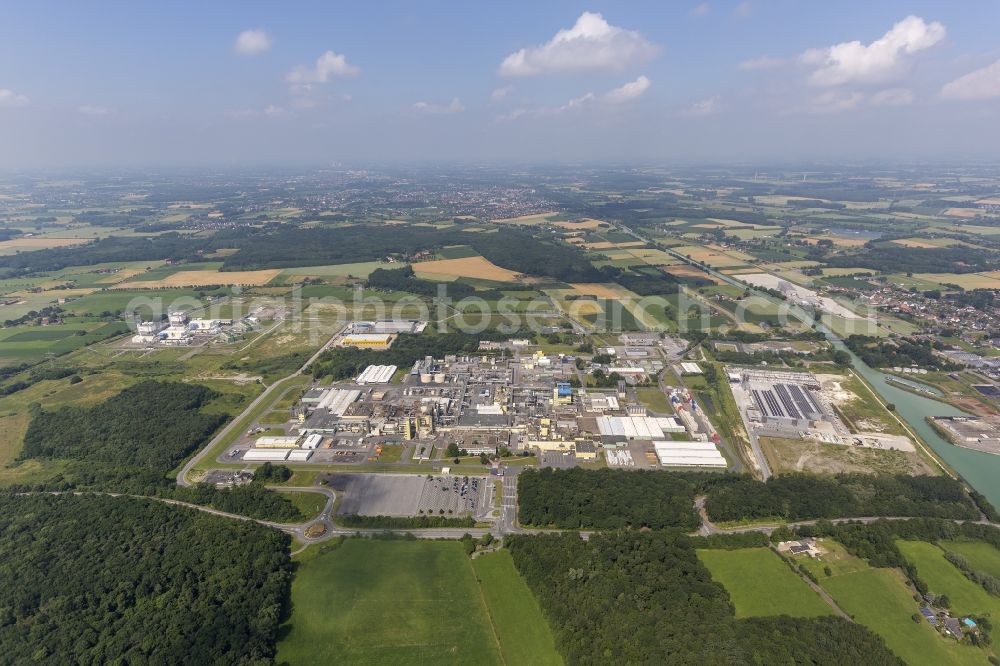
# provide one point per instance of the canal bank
(979, 470)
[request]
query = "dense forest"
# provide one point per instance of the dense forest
(103, 580)
(800, 496)
(152, 425)
(606, 499)
(881, 353)
(893, 258)
(286, 246)
(645, 598)
(523, 253)
(134, 440)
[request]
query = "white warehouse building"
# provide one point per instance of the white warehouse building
(376, 374)
(688, 454)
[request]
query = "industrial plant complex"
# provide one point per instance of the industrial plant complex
(509, 401)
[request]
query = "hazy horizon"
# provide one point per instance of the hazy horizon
(316, 84)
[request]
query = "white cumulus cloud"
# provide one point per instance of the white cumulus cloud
(327, 66)
(854, 62)
(833, 101)
(628, 92)
(10, 98)
(591, 44)
(95, 110)
(705, 107)
(501, 93)
(455, 106)
(983, 83)
(252, 42)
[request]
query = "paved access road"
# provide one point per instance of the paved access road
(182, 479)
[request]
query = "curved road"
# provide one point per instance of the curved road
(182, 479)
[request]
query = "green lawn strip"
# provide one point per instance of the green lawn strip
(380, 602)
(654, 399)
(942, 577)
(760, 584)
(525, 636)
(308, 504)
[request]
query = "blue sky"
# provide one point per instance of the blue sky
(126, 83)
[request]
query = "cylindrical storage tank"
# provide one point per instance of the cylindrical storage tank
(425, 378)
(439, 378)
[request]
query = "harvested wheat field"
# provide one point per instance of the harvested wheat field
(601, 290)
(713, 257)
(690, 271)
(586, 223)
(607, 245)
(655, 257)
(469, 267)
(38, 243)
(209, 278)
(581, 307)
(962, 212)
(990, 280)
(925, 243)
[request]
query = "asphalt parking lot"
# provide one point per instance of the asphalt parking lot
(407, 494)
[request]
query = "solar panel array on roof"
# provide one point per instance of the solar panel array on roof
(806, 403)
(781, 390)
(786, 401)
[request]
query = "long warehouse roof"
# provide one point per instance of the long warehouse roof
(692, 462)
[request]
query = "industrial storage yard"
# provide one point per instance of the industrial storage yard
(971, 432)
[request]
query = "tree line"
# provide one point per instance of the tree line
(801, 496)
(901, 352)
(606, 499)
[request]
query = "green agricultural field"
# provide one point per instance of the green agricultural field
(162, 272)
(30, 343)
(982, 556)
(370, 601)
(881, 600)
(760, 584)
(47, 334)
(942, 577)
(525, 636)
(161, 299)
